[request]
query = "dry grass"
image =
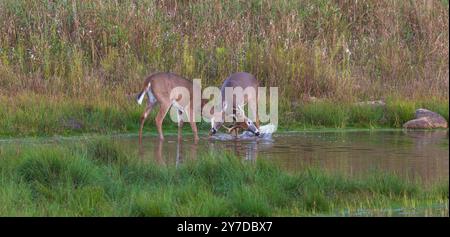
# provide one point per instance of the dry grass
(337, 49)
(95, 54)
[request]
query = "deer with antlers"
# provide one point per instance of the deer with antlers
(244, 81)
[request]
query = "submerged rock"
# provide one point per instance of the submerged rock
(426, 119)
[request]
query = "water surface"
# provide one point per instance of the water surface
(420, 155)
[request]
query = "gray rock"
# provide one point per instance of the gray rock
(426, 119)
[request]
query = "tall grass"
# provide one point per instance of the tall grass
(336, 49)
(80, 63)
(328, 114)
(98, 179)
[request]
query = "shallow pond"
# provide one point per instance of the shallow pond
(422, 155)
(418, 155)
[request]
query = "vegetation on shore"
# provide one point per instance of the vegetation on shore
(98, 178)
(34, 115)
(74, 67)
(70, 67)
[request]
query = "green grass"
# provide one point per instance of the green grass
(74, 67)
(97, 178)
(329, 114)
(34, 115)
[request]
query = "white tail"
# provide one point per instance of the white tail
(141, 96)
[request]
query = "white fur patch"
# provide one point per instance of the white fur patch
(151, 97)
(141, 98)
(177, 105)
(180, 109)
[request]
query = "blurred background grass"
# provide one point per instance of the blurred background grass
(63, 59)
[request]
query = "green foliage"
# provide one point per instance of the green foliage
(106, 152)
(53, 167)
(61, 180)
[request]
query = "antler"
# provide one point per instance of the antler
(240, 109)
(240, 112)
(229, 129)
(232, 128)
(224, 106)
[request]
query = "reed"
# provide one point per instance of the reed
(346, 51)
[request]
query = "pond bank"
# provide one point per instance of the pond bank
(100, 178)
(34, 115)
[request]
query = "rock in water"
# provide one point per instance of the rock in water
(426, 119)
(423, 122)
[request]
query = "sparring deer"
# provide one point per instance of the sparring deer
(243, 80)
(164, 89)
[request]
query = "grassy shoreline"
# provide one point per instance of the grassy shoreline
(71, 68)
(37, 115)
(74, 67)
(338, 50)
(98, 178)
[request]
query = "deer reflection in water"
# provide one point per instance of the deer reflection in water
(176, 151)
(163, 151)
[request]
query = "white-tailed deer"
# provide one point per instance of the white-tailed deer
(238, 80)
(160, 88)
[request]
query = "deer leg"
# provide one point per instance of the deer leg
(180, 124)
(159, 119)
(143, 118)
(236, 131)
(193, 124)
(195, 131)
(235, 127)
(158, 152)
(257, 121)
(257, 118)
(254, 112)
(256, 109)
